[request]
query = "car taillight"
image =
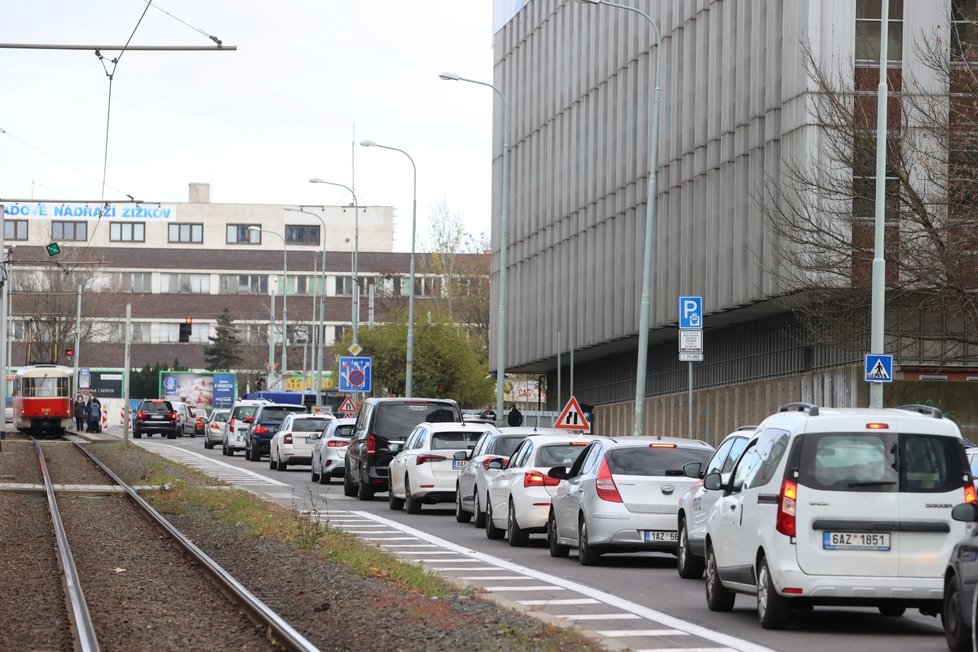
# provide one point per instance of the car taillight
(287, 438)
(605, 485)
(214, 426)
(336, 443)
(260, 429)
(537, 479)
(140, 415)
(231, 424)
(371, 444)
(786, 507)
(172, 416)
(421, 459)
(970, 495)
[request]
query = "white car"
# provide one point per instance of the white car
(695, 504)
(329, 450)
(472, 489)
(619, 496)
(293, 442)
(214, 427)
(425, 469)
(519, 495)
(235, 434)
(838, 507)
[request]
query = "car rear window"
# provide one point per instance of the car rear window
(156, 407)
(244, 411)
(309, 425)
(277, 414)
(219, 416)
(457, 440)
(654, 461)
(397, 420)
(558, 454)
(344, 430)
(506, 445)
(882, 462)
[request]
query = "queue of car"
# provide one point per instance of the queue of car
(814, 506)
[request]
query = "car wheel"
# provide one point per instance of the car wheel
(586, 553)
(690, 566)
(365, 491)
(137, 435)
(272, 464)
(492, 532)
(208, 445)
(323, 476)
(349, 489)
(171, 435)
(283, 465)
(957, 634)
(461, 516)
(772, 609)
(224, 448)
(412, 504)
(892, 612)
(718, 598)
(313, 476)
(517, 535)
(394, 503)
(478, 515)
(557, 549)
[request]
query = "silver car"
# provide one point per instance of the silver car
(329, 450)
(214, 428)
(620, 496)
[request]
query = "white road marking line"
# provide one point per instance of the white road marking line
(210, 460)
(569, 601)
(408, 545)
(736, 644)
(389, 538)
(363, 531)
(542, 587)
(689, 649)
(455, 561)
(494, 578)
(626, 633)
(598, 616)
(428, 552)
(464, 568)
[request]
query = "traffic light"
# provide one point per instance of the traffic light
(185, 329)
(69, 352)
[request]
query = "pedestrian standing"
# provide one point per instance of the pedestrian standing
(80, 412)
(515, 418)
(94, 415)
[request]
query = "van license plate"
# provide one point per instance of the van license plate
(654, 536)
(879, 541)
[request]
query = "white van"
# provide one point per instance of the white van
(241, 417)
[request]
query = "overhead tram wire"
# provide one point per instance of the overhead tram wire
(180, 20)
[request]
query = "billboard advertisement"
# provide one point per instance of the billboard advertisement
(204, 389)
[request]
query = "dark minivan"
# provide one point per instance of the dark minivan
(268, 417)
(155, 416)
(382, 425)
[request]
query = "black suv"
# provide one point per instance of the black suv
(267, 419)
(381, 427)
(155, 416)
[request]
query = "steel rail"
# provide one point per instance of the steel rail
(81, 619)
(284, 633)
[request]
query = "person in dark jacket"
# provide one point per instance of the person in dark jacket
(80, 412)
(515, 417)
(94, 415)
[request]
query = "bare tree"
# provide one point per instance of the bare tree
(821, 206)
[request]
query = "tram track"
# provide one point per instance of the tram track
(132, 580)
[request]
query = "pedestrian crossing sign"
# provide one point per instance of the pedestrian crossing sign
(879, 368)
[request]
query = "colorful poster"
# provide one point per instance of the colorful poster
(202, 389)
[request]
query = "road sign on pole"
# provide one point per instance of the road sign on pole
(355, 374)
(572, 417)
(346, 407)
(879, 368)
(690, 313)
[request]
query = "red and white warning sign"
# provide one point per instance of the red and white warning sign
(346, 407)
(572, 417)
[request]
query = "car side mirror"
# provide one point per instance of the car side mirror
(394, 448)
(692, 469)
(558, 473)
(713, 481)
(966, 512)
(461, 456)
(495, 464)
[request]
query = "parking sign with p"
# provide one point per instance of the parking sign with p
(690, 313)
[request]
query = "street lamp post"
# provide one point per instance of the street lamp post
(285, 296)
(409, 367)
(356, 251)
(322, 308)
(503, 241)
(650, 206)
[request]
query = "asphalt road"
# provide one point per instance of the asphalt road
(647, 579)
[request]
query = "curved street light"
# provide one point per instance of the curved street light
(356, 253)
(321, 344)
(409, 366)
(503, 241)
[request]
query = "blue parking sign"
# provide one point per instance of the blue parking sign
(691, 313)
(355, 374)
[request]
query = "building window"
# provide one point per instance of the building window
(193, 233)
(74, 231)
(344, 286)
(127, 232)
(244, 284)
(242, 234)
(15, 229)
(868, 18)
(185, 283)
(141, 332)
(302, 234)
(133, 281)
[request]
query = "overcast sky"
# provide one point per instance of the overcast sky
(309, 78)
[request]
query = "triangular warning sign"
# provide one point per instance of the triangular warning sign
(879, 371)
(572, 417)
(347, 406)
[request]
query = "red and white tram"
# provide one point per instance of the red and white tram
(42, 399)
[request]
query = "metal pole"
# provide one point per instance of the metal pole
(4, 321)
(320, 335)
(650, 210)
(560, 405)
(689, 403)
(879, 262)
(571, 354)
(354, 256)
(285, 311)
(77, 338)
(125, 373)
(271, 344)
